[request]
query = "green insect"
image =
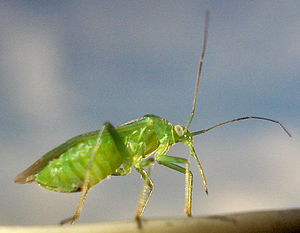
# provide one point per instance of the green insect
(87, 159)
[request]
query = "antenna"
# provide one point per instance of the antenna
(200, 68)
(240, 119)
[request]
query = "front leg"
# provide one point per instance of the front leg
(169, 161)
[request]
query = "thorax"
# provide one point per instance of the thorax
(143, 140)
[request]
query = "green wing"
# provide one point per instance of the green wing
(28, 175)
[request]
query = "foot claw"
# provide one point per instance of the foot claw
(139, 221)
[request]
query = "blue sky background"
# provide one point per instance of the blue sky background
(66, 67)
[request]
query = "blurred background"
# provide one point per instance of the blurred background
(68, 66)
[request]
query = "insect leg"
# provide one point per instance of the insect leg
(169, 161)
(120, 172)
(109, 128)
(144, 196)
(78, 210)
(85, 188)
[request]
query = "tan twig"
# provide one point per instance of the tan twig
(259, 221)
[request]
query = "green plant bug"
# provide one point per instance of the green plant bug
(87, 159)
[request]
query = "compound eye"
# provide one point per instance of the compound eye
(179, 130)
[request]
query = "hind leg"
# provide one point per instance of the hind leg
(121, 148)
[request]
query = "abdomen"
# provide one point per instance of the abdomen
(67, 172)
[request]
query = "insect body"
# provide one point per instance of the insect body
(126, 145)
(87, 159)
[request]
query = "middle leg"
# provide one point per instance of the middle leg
(144, 196)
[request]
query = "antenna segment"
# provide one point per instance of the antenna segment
(200, 68)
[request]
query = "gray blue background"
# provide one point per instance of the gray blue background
(68, 66)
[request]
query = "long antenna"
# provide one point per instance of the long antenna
(200, 68)
(240, 119)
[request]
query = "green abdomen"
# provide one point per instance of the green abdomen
(67, 172)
